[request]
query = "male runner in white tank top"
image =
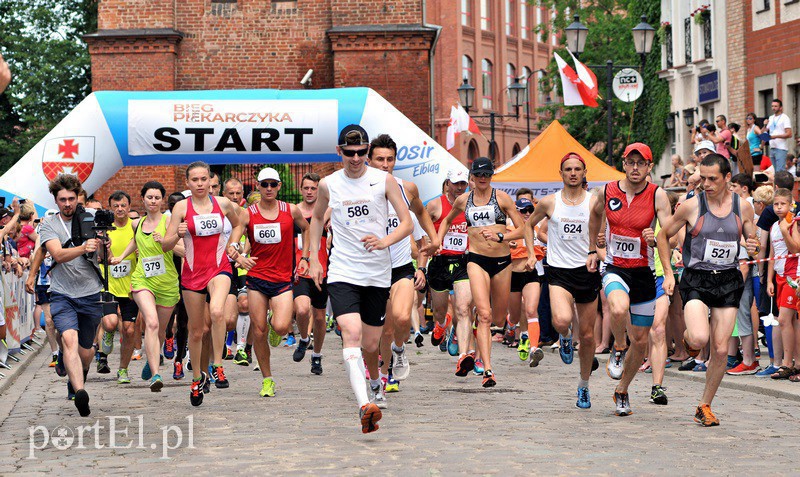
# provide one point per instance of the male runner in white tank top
(359, 275)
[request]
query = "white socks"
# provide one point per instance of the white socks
(354, 365)
(242, 327)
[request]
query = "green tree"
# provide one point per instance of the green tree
(42, 42)
(609, 38)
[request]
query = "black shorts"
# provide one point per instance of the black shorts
(403, 271)
(128, 310)
(520, 279)
(715, 289)
(306, 287)
(238, 284)
(42, 295)
(579, 282)
(640, 281)
(266, 288)
(445, 270)
(369, 302)
(491, 265)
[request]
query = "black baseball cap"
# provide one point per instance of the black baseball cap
(482, 165)
(5, 213)
(353, 135)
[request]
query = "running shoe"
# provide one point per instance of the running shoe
(509, 335)
(583, 402)
(488, 379)
(700, 368)
(616, 362)
(742, 369)
(60, 369)
(197, 389)
(267, 388)
(565, 349)
(465, 364)
(54, 362)
(438, 334)
(328, 323)
(82, 402)
(316, 365)
(377, 397)
(658, 396)
(273, 337)
(156, 383)
(536, 357)
(177, 370)
(227, 354)
(207, 384)
(122, 377)
(392, 385)
(687, 365)
(147, 373)
(240, 358)
(189, 364)
(452, 342)
(249, 353)
(731, 363)
(400, 367)
(767, 372)
(443, 346)
(290, 341)
(102, 365)
(705, 417)
(300, 351)
(524, 349)
(169, 348)
(419, 340)
(220, 381)
(478, 369)
(623, 404)
(369, 414)
(70, 391)
(137, 355)
(107, 343)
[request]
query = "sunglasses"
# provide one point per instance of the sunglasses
(269, 184)
(482, 174)
(353, 152)
(526, 210)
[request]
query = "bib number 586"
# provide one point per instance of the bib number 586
(357, 211)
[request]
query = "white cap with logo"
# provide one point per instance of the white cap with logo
(457, 175)
(705, 145)
(268, 173)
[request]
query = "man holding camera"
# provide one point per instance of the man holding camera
(75, 286)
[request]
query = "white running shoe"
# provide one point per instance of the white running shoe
(400, 366)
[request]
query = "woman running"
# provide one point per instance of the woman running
(206, 269)
(154, 282)
(489, 254)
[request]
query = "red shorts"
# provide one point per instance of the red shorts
(785, 294)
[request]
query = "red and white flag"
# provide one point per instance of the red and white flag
(580, 89)
(460, 121)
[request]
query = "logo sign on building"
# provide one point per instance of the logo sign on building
(708, 87)
(628, 85)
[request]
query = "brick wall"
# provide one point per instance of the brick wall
(737, 66)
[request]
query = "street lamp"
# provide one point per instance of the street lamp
(670, 121)
(516, 94)
(576, 36)
(688, 116)
(643, 35)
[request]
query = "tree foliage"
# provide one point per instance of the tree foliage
(41, 41)
(609, 38)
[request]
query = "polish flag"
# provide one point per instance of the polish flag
(576, 91)
(460, 121)
(588, 86)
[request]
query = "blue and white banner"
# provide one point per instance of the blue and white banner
(112, 129)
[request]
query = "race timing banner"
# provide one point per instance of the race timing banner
(112, 129)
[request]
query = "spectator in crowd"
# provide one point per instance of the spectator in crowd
(679, 175)
(779, 128)
(753, 131)
(721, 137)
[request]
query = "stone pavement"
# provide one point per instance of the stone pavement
(437, 424)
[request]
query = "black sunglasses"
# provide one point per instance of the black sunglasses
(482, 174)
(526, 210)
(272, 184)
(353, 152)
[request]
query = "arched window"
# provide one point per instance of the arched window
(515, 150)
(486, 77)
(466, 69)
(511, 75)
(472, 151)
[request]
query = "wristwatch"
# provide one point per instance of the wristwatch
(500, 237)
(423, 270)
(308, 260)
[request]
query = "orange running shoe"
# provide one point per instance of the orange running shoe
(369, 414)
(438, 334)
(705, 417)
(465, 364)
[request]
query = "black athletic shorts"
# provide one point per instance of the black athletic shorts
(520, 279)
(403, 271)
(491, 265)
(444, 270)
(641, 282)
(582, 284)
(42, 295)
(716, 289)
(238, 284)
(267, 288)
(306, 287)
(369, 302)
(128, 310)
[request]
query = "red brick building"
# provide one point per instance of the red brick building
(387, 46)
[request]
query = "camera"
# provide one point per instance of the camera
(91, 223)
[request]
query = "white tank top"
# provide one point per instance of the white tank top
(401, 251)
(359, 207)
(568, 233)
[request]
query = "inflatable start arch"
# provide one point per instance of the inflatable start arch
(112, 129)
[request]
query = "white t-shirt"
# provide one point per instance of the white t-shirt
(779, 125)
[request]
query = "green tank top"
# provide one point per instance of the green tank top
(155, 267)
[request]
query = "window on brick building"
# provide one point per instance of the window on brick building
(486, 82)
(466, 12)
(765, 97)
(511, 12)
(524, 25)
(486, 15)
(553, 39)
(707, 50)
(526, 73)
(466, 69)
(472, 152)
(668, 45)
(515, 150)
(538, 23)
(511, 75)
(687, 38)
(542, 96)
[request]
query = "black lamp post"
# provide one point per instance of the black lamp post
(688, 116)
(516, 93)
(643, 35)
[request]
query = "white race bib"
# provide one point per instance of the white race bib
(121, 270)
(359, 214)
(720, 253)
(482, 216)
(455, 242)
(392, 223)
(154, 266)
(267, 233)
(207, 224)
(572, 231)
(626, 247)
